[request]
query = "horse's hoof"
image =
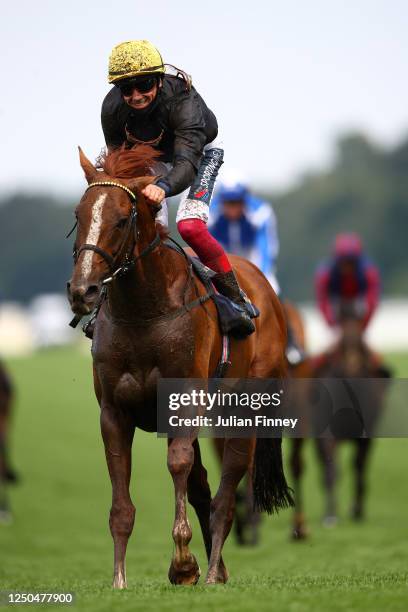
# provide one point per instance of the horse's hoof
(186, 573)
(357, 514)
(222, 576)
(219, 577)
(11, 476)
(119, 583)
(300, 533)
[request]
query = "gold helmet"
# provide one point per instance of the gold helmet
(134, 58)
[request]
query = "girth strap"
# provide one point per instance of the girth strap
(167, 316)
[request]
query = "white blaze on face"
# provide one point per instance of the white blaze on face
(93, 234)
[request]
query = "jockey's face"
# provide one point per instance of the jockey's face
(233, 209)
(140, 101)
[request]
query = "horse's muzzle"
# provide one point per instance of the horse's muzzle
(82, 298)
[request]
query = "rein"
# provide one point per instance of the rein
(129, 262)
(182, 310)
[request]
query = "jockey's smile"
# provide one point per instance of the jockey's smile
(139, 93)
(139, 100)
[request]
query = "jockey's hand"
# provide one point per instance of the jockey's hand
(154, 193)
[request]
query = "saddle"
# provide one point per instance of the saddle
(227, 310)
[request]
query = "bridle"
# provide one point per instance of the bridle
(129, 260)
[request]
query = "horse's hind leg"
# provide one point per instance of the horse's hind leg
(252, 517)
(117, 431)
(6, 396)
(236, 461)
(359, 465)
(299, 529)
(199, 496)
(180, 460)
(326, 453)
(3, 453)
(5, 513)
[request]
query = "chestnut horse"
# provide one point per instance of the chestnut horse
(153, 325)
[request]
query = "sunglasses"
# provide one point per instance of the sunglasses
(142, 85)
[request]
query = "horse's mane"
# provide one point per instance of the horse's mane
(128, 163)
(131, 163)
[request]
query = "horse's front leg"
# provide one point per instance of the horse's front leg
(184, 568)
(117, 432)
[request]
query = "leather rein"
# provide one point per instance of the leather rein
(129, 262)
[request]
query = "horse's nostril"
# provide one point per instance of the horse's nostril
(91, 291)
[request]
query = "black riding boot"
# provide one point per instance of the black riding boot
(227, 284)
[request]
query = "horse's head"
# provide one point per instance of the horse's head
(109, 216)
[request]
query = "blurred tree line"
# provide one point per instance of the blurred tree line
(364, 190)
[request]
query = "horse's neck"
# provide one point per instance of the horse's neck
(153, 287)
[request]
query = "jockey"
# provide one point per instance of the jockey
(147, 105)
(348, 280)
(246, 225)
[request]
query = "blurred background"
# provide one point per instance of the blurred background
(311, 104)
(311, 99)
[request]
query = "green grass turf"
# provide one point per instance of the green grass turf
(60, 540)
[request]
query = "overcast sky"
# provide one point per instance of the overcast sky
(283, 78)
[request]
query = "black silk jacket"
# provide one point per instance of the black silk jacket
(178, 123)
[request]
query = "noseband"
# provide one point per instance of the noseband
(129, 260)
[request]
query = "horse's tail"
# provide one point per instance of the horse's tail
(270, 489)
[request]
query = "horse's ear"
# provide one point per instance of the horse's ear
(89, 169)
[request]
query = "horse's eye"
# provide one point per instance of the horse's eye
(121, 223)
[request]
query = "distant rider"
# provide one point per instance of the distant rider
(149, 106)
(246, 225)
(348, 280)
